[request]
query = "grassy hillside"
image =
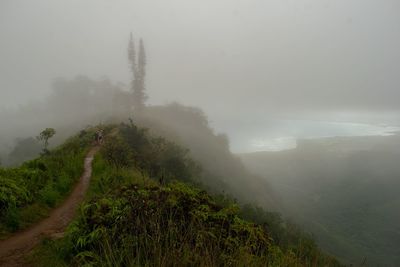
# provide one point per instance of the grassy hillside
(102, 101)
(29, 191)
(146, 207)
(344, 190)
(222, 172)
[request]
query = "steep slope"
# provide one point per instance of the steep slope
(145, 208)
(222, 171)
(344, 190)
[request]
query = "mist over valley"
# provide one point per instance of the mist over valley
(199, 133)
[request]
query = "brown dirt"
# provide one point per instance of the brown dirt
(14, 249)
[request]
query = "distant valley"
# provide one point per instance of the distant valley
(343, 190)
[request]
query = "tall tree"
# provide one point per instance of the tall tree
(142, 71)
(138, 68)
(132, 55)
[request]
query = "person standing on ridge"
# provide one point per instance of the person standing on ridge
(99, 137)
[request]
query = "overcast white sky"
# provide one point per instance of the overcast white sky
(226, 56)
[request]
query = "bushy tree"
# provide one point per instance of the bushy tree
(45, 135)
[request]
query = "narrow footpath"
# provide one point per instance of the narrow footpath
(14, 249)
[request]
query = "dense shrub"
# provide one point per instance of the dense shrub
(169, 226)
(173, 225)
(117, 152)
(155, 156)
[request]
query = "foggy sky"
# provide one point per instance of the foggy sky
(226, 56)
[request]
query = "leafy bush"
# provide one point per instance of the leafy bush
(156, 157)
(49, 195)
(117, 152)
(12, 217)
(172, 225)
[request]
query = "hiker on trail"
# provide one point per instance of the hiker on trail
(99, 137)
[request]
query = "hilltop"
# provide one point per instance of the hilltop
(147, 204)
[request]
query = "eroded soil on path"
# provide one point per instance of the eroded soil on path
(14, 249)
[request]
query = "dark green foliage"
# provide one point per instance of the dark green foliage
(131, 220)
(117, 152)
(271, 221)
(169, 226)
(157, 157)
(173, 225)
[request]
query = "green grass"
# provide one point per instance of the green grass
(29, 192)
(174, 225)
(139, 212)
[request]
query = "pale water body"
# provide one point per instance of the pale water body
(278, 135)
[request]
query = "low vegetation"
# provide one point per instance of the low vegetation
(145, 207)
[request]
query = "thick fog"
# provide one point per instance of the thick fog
(316, 80)
(253, 66)
(228, 57)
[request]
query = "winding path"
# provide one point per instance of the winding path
(13, 249)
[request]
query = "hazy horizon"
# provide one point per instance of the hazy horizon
(273, 57)
(198, 86)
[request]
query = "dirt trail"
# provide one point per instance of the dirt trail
(13, 249)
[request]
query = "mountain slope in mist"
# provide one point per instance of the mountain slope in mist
(145, 209)
(81, 101)
(72, 105)
(223, 171)
(344, 190)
